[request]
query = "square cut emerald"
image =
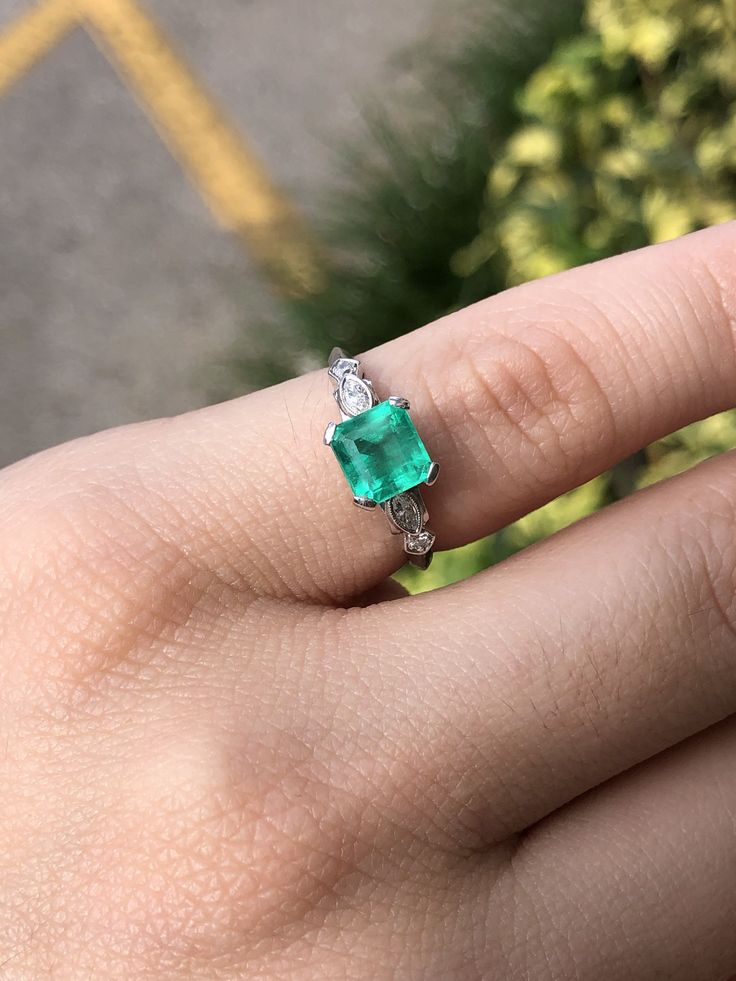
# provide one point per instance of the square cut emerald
(380, 452)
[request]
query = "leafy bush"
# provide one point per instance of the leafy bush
(628, 136)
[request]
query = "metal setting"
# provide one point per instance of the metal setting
(329, 433)
(397, 400)
(406, 512)
(434, 472)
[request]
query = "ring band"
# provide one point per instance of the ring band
(382, 456)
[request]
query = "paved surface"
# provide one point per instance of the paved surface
(119, 292)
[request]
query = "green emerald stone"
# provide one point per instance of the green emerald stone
(380, 452)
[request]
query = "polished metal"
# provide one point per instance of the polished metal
(364, 502)
(329, 433)
(434, 472)
(399, 402)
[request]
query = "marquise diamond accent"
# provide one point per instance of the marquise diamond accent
(405, 513)
(354, 396)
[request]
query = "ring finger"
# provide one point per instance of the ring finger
(519, 398)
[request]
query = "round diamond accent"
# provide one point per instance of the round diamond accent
(342, 366)
(419, 544)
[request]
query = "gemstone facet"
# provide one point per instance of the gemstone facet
(380, 452)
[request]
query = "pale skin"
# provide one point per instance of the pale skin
(228, 751)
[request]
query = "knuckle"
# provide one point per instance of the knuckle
(711, 544)
(249, 839)
(710, 285)
(530, 391)
(86, 584)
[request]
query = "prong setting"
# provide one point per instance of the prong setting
(329, 433)
(365, 503)
(432, 474)
(399, 401)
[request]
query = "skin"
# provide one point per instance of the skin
(228, 752)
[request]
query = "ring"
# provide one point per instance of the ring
(382, 455)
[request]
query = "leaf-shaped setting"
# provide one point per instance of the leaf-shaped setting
(406, 513)
(341, 367)
(419, 544)
(354, 396)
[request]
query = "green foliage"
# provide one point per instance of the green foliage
(548, 148)
(459, 563)
(628, 136)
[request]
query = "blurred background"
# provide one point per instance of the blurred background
(199, 199)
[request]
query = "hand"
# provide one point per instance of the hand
(220, 759)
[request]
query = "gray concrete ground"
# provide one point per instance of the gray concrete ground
(118, 290)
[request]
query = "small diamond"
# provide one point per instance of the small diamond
(405, 513)
(353, 395)
(419, 544)
(342, 366)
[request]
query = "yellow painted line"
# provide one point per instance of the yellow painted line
(225, 170)
(29, 38)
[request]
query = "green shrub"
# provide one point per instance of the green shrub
(628, 136)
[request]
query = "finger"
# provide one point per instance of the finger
(532, 392)
(383, 592)
(519, 398)
(533, 682)
(639, 876)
